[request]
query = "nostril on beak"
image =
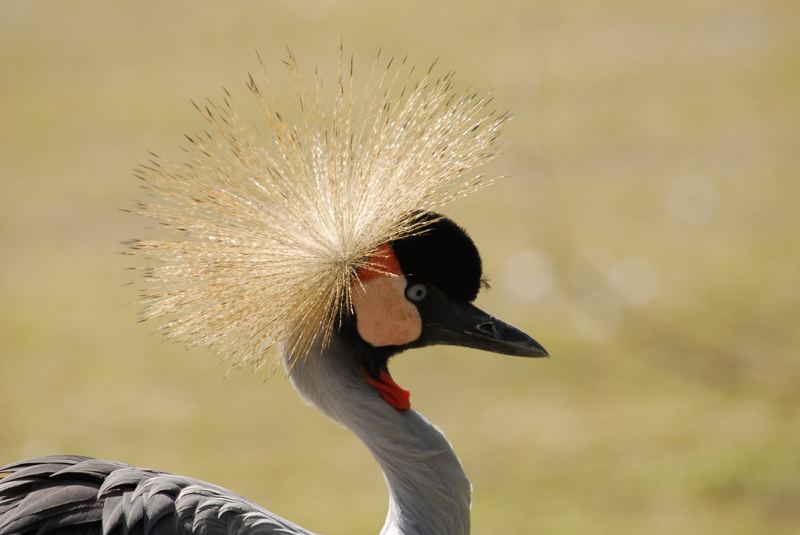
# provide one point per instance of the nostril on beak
(488, 327)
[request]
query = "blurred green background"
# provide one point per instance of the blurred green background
(647, 236)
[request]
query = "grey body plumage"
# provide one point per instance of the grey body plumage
(429, 492)
(69, 494)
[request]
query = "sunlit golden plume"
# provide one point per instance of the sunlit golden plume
(273, 221)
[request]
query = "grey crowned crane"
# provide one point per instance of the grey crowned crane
(316, 239)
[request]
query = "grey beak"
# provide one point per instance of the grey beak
(464, 324)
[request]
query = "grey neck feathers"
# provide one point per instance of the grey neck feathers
(428, 490)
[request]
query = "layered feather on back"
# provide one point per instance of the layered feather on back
(274, 217)
(72, 495)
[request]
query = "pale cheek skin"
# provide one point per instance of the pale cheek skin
(384, 317)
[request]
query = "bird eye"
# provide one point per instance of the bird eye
(417, 292)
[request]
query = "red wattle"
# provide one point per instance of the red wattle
(391, 392)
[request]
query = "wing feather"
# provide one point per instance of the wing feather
(81, 495)
(112, 514)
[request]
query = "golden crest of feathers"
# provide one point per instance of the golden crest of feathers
(273, 220)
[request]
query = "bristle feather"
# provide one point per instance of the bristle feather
(274, 227)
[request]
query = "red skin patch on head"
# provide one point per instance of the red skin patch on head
(383, 263)
(391, 392)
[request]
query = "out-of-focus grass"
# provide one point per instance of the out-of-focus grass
(647, 236)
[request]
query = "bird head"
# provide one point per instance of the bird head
(323, 222)
(418, 291)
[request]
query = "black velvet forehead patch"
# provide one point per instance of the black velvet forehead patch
(444, 256)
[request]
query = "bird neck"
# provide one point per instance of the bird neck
(428, 489)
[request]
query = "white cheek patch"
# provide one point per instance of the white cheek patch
(384, 317)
